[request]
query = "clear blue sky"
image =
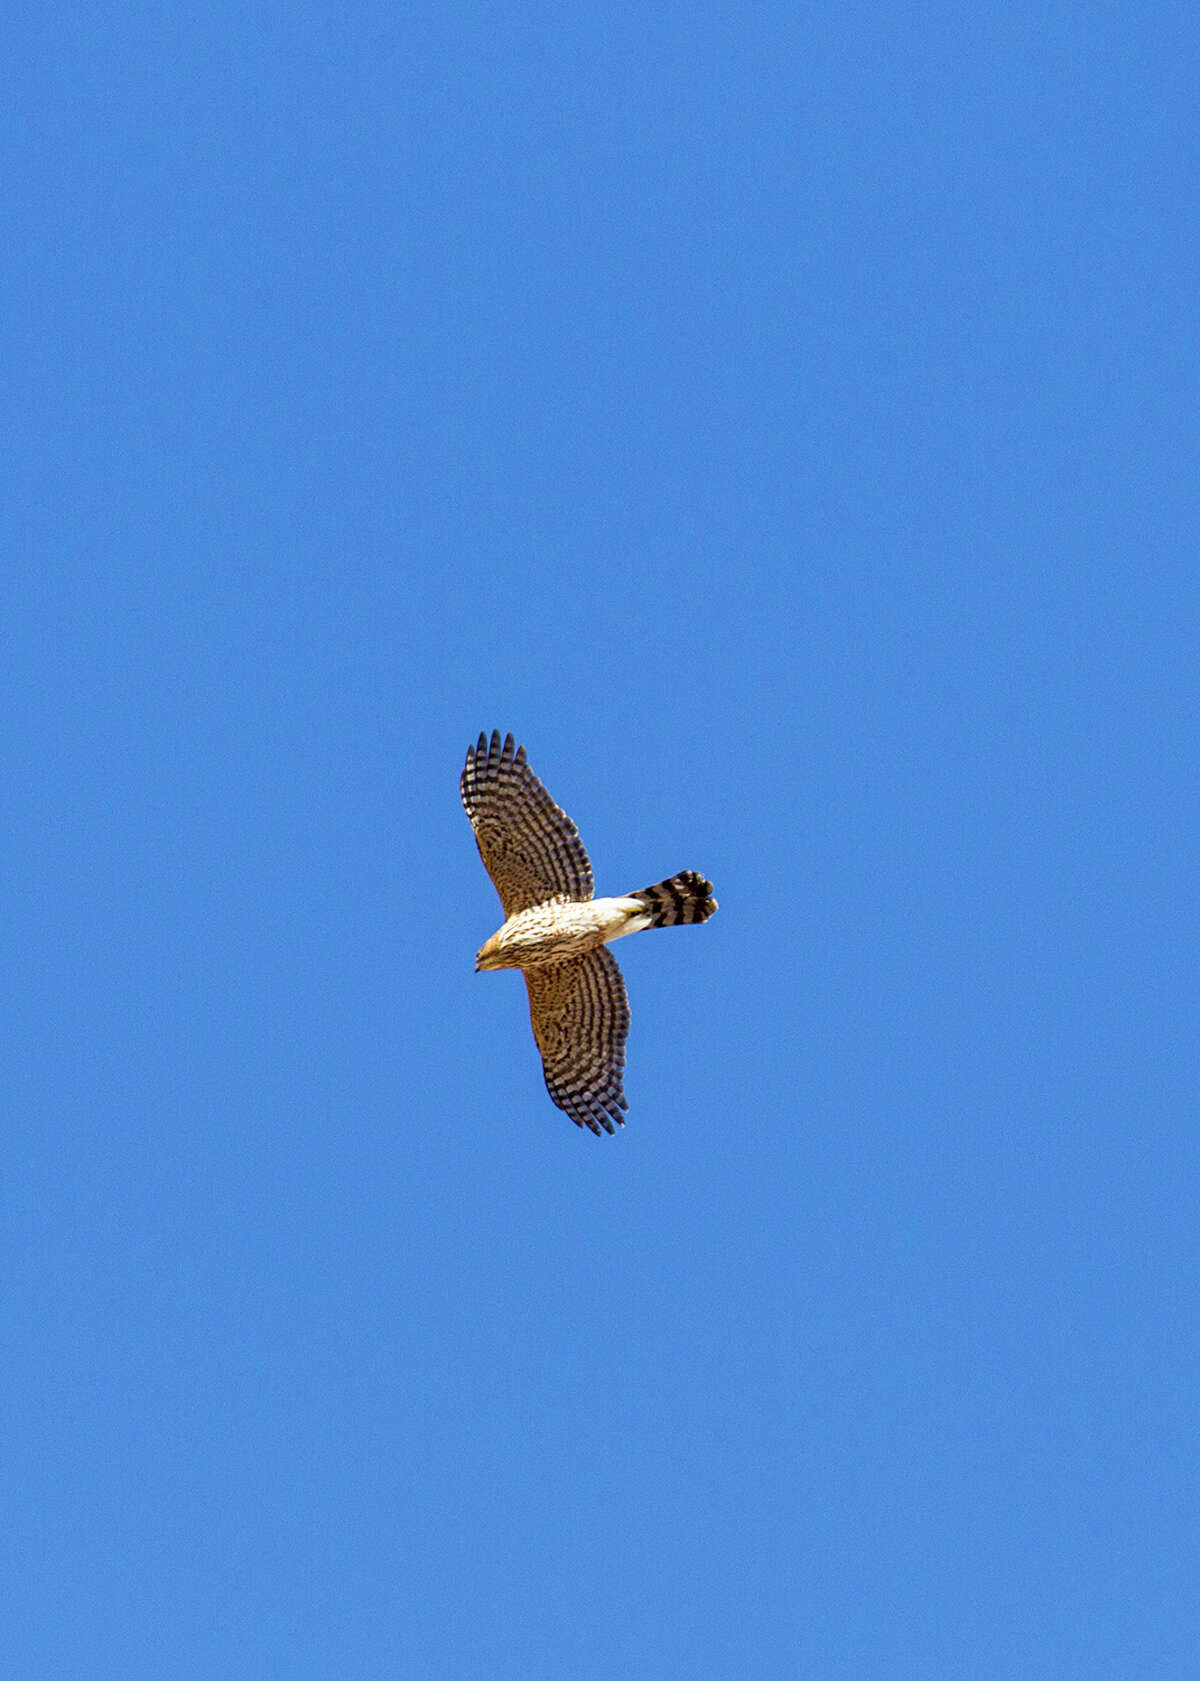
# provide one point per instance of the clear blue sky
(784, 420)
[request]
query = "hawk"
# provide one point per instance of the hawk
(556, 933)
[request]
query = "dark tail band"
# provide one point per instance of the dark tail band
(686, 897)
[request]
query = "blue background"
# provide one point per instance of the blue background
(785, 421)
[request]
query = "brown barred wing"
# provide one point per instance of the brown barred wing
(530, 848)
(580, 1017)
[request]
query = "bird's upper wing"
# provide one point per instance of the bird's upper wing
(580, 1019)
(530, 848)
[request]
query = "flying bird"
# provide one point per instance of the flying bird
(557, 934)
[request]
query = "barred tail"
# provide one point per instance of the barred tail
(686, 897)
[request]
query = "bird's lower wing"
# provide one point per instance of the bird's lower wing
(580, 1017)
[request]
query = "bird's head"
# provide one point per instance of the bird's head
(488, 956)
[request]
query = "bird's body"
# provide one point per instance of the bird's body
(555, 931)
(558, 929)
